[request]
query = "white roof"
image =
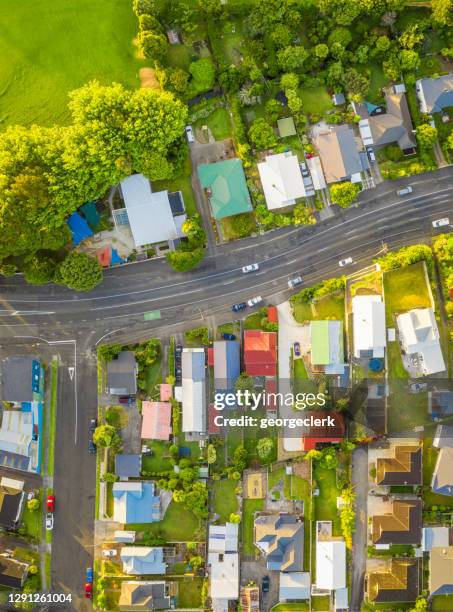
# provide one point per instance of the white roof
(317, 175)
(281, 179)
(193, 390)
(16, 432)
(294, 585)
(365, 132)
(124, 536)
(150, 216)
(223, 538)
(12, 483)
(341, 599)
(224, 571)
(330, 564)
(369, 325)
(419, 335)
(435, 536)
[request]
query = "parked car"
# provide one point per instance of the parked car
(418, 387)
(238, 307)
(441, 222)
(50, 503)
(254, 301)
(125, 399)
(370, 153)
(250, 268)
(88, 590)
(178, 349)
(404, 191)
(226, 336)
(93, 425)
(296, 348)
(304, 169)
(91, 447)
(293, 282)
(189, 134)
(49, 521)
(345, 262)
(89, 574)
(109, 552)
(146, 450)
(265, 584)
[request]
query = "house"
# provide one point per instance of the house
(286, 127)
(339, 155)
(368, 321)
(128, 466)
(393, 581)
(330, 558)
(383, 125)
(440, 403)
(143, 595)
(327, 346)
(280, 537)
(419, 338)
(435, 94)
(250, 599)
(260, 352)
(401, 523)
(402, 465)
(441, 570)
(227, 364)
(226, 188)
(319, 434)
(22, 381)
(122, 374)
(149, 214)
(156, 421)
(442, 479)
(282, 180)
(143, 560)
(136, 502)
(193, 390)
(13, 573)
(12, 500)
(223, 564)
(436, 537)
(294, 586)
(443, 437)
(316, 173)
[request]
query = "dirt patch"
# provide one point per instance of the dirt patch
(148, 78)
(302, 469)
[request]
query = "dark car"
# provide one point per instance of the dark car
(125, 399)
(178, 349)
(238, 307)
(226, 336)
(297, 349)
(93, 425)
(265, 584)
(91, 447)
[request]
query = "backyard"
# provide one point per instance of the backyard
(328, 307)
(250, 506)
(190, 593)
(224, 500)
(183, 184)
(160, 460)
(178, 525)
(48, 53)
(405, 288)
(315, 100)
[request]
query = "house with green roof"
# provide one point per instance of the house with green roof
(327, 349)
(225, 187)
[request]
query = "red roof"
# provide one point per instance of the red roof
(272, 314)
(260, 353)
(450, 293)
(210, 356)
(317, 435)
(104, 257)
(270, 386)
(212, 413)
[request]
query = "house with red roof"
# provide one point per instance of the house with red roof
(156, 420)
(260, 352)
(315, 435)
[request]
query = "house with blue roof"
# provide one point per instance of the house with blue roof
(227, 365)
(143, 560)
(136, 502)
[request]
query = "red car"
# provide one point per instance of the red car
(88, 590)
(50, 503)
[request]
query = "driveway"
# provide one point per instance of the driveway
(289, 331)
(359, 538)
(255, 571)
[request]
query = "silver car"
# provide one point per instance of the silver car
(250, 268)
(255, 301)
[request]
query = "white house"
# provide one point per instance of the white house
(419, 337)
(223, 564)
(193, 390)
(368, 313)
(282, 180)
(330, 564)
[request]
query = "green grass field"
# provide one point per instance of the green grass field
(315, 101)
(224, 500)
(49, 48)
(405, 289)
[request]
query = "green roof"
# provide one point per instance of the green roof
(326, 342)
(226, 179)
(286, 127)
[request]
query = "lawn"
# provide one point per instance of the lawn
(228, 226)
(442, 603)
(178, 524)
(50, 48)
(229, 328)
(326, 501)
(321, 603)
(328, 307)
(183, 184)
(190, 593)
(315, 100)
(153, 377)
(32, 520)
(444, 130)
(377, 82)
(300, 372)
(249, 507)
(395, 363)
(160, 460)
(253, 321)
(405, 289)
(302, 606)
(178, 56)
(218, 122)
(224, 500)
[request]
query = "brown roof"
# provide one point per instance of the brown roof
(398, 582)
(441, 569)
(403, 525)
(404, 468)
(395, 125)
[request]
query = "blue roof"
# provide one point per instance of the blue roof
(79, 228)
(138, 500)
(135, 562)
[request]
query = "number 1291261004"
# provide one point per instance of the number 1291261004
(39, 597)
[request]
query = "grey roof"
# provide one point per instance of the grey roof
(193, 365)
(226, 364)
(128, 465)
(17, 379)
(121, 374)
(435, 94)
(349, 152)
(151, 596)
(338, 98)
(281, 538)
(443, 437)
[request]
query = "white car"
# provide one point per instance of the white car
(404, 191)
(189, 134)
(441, 222)
(345, 262)
(293, 282)
(250, 268)
(49, 521)
(255, 301)
(109, 552)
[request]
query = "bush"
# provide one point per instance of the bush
(393, 153)
(203, 76)
(198, 334)
(242, 225)
(79, 271)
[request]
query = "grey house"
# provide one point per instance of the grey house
(435, 94)
(128, 466)
(122, 374)
(280, 537)
(144, 595)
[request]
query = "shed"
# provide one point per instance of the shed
(286, 127)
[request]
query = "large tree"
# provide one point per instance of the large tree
(443, 11)
(79, 271)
